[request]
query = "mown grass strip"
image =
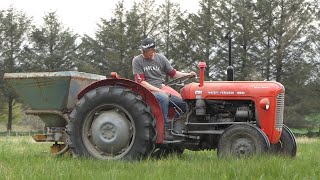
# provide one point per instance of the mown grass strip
(22, 158)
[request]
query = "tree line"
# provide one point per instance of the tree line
(274, 40)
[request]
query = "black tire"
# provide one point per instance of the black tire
(242, 140)
(112, 122)
(287, 145)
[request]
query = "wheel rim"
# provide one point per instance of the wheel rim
(243, 146)
(108, 132)
(242, 140)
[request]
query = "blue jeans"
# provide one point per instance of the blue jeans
(165, 102)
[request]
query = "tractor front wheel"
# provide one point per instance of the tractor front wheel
(242, 140)
(287, 143)
(112, 123)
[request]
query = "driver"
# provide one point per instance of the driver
(149, 69)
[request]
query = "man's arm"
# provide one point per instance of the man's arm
(181, 74)
(170, 71)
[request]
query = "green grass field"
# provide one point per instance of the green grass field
(22, 158)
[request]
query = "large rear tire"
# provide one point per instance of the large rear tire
(287, 143)
(112, 123)
(242, 140)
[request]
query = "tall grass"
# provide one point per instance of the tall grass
(21, 158)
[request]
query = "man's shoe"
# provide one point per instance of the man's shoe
(168, 135)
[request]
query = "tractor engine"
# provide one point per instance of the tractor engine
(223, 111)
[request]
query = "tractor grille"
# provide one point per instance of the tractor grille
(280, 110)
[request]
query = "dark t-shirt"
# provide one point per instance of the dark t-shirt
(154, 71)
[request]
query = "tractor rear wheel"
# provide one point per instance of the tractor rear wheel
(242, 140)
(112, 123)
(287, 143)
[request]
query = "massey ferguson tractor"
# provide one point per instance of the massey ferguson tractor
(115, 118)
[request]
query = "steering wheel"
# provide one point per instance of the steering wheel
(179, 81)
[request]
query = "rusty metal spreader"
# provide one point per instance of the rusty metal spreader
(51, 96)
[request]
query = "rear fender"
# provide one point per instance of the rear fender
(171, 91)
(146, 95)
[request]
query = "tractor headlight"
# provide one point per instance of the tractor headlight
(264, 103)
(267, 106)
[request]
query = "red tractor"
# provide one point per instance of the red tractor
(119, 119)
(116, 118)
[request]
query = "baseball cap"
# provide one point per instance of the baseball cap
(147, 43)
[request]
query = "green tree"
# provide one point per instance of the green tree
(149, 18)
(13, 34)
(184, 55)
(134, 34)
(245, 39)
(200, 36)
(313, 121)
(1, 64)
(169, 12)
(169, 42)
(52, 46)
(265, 22)
(285, 29)
(290, 29)
(91, 55)
(108, 51)
(240, 19)
(17, 114)
(299, 97)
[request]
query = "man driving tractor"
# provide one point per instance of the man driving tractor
(149, 70)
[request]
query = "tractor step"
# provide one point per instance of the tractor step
(205, 132)
(214, 123)
(172, 142)
(184, 135)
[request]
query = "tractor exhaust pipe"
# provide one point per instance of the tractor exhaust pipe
(230, 71)
(202, 65)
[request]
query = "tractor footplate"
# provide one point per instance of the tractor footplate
(185, 136)
(172, 142)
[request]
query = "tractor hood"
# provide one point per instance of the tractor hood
(231, 90)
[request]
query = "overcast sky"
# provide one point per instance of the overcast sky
(81, 16)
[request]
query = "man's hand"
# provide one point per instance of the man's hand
(193, 73)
